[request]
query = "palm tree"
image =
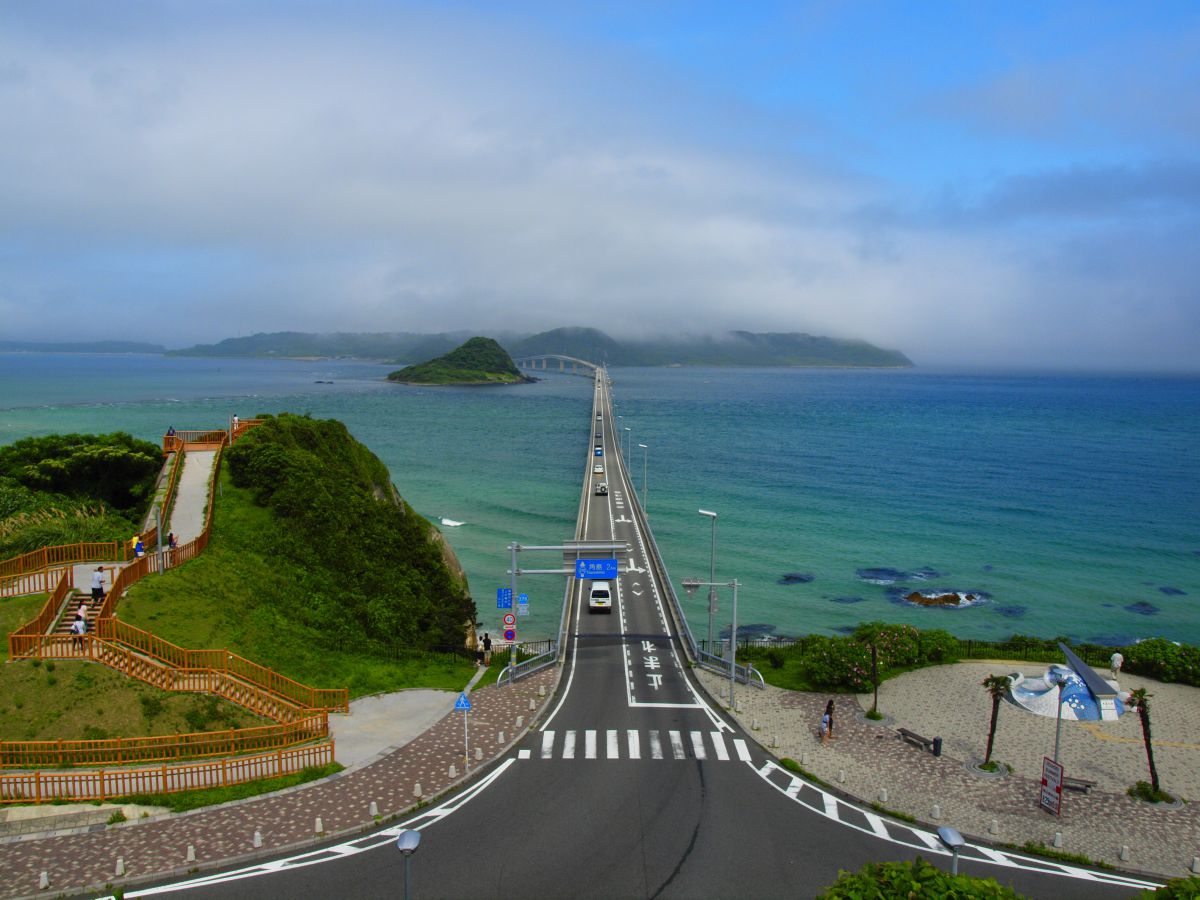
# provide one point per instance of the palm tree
(1140, 701)
(997, 686)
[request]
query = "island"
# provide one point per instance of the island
(479, 361)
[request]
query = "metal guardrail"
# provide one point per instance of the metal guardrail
(527, 667)
(701, 657)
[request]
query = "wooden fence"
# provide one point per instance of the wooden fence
(161, 748)
(149, 645)
(47, 787)
(26, 639)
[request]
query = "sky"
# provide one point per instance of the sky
(991, 184)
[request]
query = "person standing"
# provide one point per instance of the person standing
(828, 719)
(487, 649)
(98, 586)
(78, 630)
(139, 549)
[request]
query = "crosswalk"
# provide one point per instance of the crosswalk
(614, 743)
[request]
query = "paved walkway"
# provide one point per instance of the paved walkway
(948, 702)
(191, 495)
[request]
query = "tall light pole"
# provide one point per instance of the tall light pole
(628, 447)
(712, 575)
(407, 843)
(645, 452)
(691, 584)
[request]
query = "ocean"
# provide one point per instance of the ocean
(1063, 505)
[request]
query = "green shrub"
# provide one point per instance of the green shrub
(1164, 660)
(1144, 790)
(1175, 889)
(911, 881)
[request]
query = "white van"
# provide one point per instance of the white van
(600, 597)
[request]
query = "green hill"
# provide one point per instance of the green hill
(479, 361)
(317, 568)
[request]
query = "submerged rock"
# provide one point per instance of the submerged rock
(847, 599)
(1173, 592)
(1142, 608)
(796, 578)
(1012, 611)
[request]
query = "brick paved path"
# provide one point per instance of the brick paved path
(158, 847)
(947, 701)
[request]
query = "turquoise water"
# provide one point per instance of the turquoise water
(1068, 503)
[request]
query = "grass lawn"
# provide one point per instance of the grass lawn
(235, 595)
(185, 800)
(75, 700)
(16, 611)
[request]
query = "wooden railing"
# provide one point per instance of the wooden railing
(62, 554)
(162, 748)
(47, 787)
(222, 661)
(28, 638)
(169, 494)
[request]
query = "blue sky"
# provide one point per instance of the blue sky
(992, 184)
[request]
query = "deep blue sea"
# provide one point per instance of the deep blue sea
(1065, 504)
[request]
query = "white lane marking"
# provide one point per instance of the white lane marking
(793, 789)
(568, 745)
(523, 754)
(349, 848)
(547, 744)
(930, 843)
(831, 805)
(677, 744)
(719, 745)
(930, 840)
(876, 824)
(742, 752)
(655, 746)
(635, 749)
(698, 745)
(589, 744)
(640, 705)
(612, 751)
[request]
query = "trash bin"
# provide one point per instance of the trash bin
(937, 746)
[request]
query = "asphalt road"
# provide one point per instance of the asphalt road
(633, 786)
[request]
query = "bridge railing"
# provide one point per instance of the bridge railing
(742, 673)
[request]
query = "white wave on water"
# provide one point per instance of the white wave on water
(450, 523)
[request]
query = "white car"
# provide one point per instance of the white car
(600, 598)
(601, 488)
(598, 468)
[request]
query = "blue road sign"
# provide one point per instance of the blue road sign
(503, 598)
(462, 702)
(522, 599)
(595, 568)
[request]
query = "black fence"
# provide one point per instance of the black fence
(1092, 654)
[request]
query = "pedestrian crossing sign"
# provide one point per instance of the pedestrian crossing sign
(462, 702)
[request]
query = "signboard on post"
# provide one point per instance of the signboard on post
(510, 634)
(503, 598)
(522, 604)
(1051, 793)
(510, 620)
(596, 568)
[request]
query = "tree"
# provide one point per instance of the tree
(1140, 701)
(997, 686)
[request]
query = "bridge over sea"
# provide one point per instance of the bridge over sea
(542, 363)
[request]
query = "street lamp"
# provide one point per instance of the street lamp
(952, 841)
(690, 584)
(628, 448)
(407, 843)
(712, 575)
(645, 452)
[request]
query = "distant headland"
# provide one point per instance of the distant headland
(732, 348)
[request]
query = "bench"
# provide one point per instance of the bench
(915, 739)
(1078, 784)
